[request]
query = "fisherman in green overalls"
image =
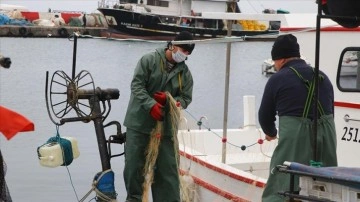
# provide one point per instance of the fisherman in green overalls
(289, 95)
(156, 73)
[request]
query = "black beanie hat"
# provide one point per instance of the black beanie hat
(285, 46)
(185, 36)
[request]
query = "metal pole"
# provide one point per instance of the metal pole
(316, 77)
(74, 57)
(292, 179)
(100, 134)
(226, 97)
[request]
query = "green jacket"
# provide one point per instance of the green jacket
(151, 76)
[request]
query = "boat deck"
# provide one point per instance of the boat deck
(253, 163)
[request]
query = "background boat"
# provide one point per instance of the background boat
(164, 19)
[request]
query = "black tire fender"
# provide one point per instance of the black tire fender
(22, 31)
(63, 32)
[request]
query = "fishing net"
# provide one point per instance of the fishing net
(172, 120)
(4, 191)
(187, 188)
(151, 156)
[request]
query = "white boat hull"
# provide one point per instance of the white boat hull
(242, 176)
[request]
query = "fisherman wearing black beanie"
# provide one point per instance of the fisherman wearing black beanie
(285, 97)
(285, 46)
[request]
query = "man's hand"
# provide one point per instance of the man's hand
(269, 138)
(157, 112)
(160, 97)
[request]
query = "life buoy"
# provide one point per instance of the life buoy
(63, 32)
(22, 31)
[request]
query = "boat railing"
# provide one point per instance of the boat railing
(107, 3)
(118, 4)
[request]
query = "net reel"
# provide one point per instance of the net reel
(75, 98)
(68, 96)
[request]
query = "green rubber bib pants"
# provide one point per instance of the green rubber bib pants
(166, 186)
(296, 143)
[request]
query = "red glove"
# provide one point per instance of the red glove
(160, 97)
(157, 112)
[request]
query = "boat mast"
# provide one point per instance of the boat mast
(316, 77)
(227, 78)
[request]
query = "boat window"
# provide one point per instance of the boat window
(158, 3)
(128, 1)
(348, 75)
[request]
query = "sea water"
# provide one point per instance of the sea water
(111, 64)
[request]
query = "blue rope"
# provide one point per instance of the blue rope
(65, 146)
(67, 142)
(72, 184)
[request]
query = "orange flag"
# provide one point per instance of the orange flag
(12, 123)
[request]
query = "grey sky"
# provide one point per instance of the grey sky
(246, 6)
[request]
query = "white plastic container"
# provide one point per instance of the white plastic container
(327, 190)
(51, 155)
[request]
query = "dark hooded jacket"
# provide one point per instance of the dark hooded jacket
(151, 76)
(285, 95)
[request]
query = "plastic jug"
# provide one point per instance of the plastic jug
(51, 154)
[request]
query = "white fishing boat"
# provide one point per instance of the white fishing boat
(233, 164)
(231, 170)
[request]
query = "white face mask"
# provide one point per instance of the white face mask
(179, 56)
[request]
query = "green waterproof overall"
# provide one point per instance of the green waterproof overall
(296, 143)
(166, 186)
